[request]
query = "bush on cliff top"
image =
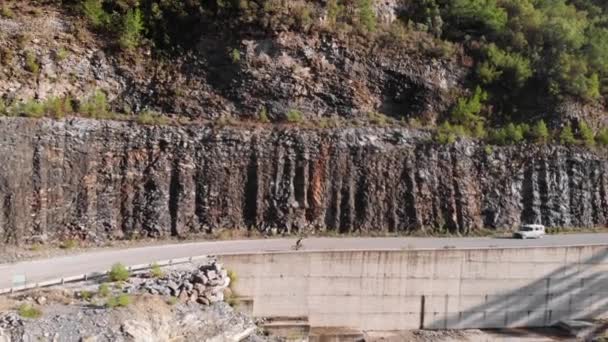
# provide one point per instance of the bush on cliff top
(540, 132)
(566, 136)
(293, 116)
(95, 106)
(602, 137)
(151, 118)
(586, 133)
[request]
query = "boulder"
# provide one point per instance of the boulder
(199, 278)
(4, 336)
(41, 300)
(188, 285)
(215, 297)
(183, 296)
(227, 292)
(211, 274)
(215, 282)
(173, 287)
(138, 331)
(203, 300)
(207, 281)
(199, 287)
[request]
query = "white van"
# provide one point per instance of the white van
(530, 231)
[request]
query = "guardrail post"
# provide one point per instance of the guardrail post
(422, 300)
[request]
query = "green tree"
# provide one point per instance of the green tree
(235, 55)
(132, 28)
(93, 11)
(566, 136)
(515, 134)
(96, 106)
(498, 136)
(586, 134)
(596, 51)
(428, 13)
(540, 132)
(478, 15)
(334, 11)
(367, 16)
(445, 134)
(602, 137)
(514, 68)
(488, 73)
(572, 76)
(564, 26)
(467, 110)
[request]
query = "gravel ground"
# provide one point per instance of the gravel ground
(148, 319)
(83, 312)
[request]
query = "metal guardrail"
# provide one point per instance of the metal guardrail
(96, 275)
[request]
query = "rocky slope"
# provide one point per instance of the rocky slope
(149, 319)
(146, 307)
(99, 180)
(234, 74)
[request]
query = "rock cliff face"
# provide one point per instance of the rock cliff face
(99, 180)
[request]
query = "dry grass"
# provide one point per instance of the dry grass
(58, 296)
(148, 306)
(235, 234)
(7, 303)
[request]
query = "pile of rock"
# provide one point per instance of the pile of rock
(10, 320)
(205, 284)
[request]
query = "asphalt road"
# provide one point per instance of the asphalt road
(100, 260)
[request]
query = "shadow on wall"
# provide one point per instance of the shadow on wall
(578, 290)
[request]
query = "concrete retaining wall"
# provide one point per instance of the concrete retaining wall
(395, 290)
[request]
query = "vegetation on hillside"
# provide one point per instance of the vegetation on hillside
(561, 44)
(526, 53)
